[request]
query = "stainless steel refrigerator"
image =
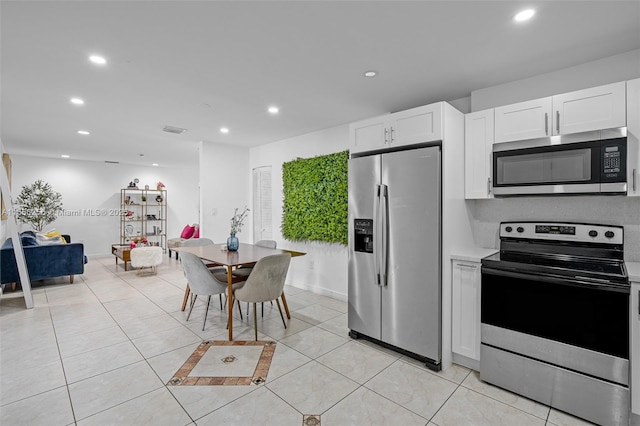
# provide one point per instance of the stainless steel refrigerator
(395, 251)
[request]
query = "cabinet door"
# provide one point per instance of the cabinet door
(524, 120)
(416, 125)
(633, 138)
(466, 281)
(478, 143)
(370, 134)
(635, 349)
(595, 108)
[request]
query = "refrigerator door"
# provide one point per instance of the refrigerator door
(411, 317)
(364, 291)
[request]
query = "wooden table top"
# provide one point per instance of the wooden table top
(247, 254)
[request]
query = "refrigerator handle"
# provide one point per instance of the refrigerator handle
(384, 207)
(376, 235)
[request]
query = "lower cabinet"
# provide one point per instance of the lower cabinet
(635, 353)
(466, 280)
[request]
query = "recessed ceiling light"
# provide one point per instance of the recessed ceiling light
(77, 101)
(525, 15)
(155, 164)
(273, 109)
(65, 156)
(224, 130)
(370, 73)
(83, 132)
(96, 59)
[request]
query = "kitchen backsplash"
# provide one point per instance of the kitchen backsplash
(610, 210)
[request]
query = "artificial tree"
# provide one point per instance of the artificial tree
(38, 205)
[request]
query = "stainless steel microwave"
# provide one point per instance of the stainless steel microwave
(580, 163)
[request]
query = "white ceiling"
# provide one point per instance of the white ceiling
(207, 64)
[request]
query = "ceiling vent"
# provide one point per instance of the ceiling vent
(111, 162)
(176, 130)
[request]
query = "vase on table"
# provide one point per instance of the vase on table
(232, 242)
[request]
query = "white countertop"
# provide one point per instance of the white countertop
(472, 254)
(633, 268)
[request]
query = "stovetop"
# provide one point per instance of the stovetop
(582, 252)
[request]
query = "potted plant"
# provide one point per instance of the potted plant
(38, 205)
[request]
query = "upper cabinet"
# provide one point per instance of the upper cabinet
(478, 143)
(416, 125)
(524, 120)
(633, 138)
(601, 107)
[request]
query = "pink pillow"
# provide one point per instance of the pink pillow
(187, 231)
(197, 233)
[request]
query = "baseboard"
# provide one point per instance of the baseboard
(320, 290)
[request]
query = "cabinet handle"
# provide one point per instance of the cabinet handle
(546, 123)
(558, 121)
(464, 265)
(391, 134)
(386, 135)
(488, 186)
(634, 180)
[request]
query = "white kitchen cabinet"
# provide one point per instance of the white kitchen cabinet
(635, 353)
(478, 144)
(601, 107)
(524, 120)
(413, 126)
(633, 138)
(466, 280)
(369, 134)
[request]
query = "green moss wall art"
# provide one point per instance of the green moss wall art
(316, 199)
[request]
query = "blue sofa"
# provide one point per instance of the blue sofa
(43, 261)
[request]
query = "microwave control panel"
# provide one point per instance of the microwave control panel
(614, 160)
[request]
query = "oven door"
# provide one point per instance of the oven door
(590, 321)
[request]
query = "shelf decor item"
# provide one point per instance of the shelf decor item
(159, 186)
(236, 226)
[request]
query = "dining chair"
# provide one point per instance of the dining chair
(244, 271)
(265, 284)
(201, 281)
(214, 267)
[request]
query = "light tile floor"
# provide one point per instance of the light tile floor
(102, 350)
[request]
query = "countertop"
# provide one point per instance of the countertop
(633, 268)
(474, 254)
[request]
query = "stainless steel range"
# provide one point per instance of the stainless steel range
(555, 318)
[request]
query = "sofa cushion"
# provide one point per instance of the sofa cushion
(28, 239)
(187, 231)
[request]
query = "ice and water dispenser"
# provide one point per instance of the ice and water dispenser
(363, 235)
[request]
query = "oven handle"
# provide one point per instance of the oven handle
(605, 286)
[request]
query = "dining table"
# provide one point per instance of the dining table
(246, 255)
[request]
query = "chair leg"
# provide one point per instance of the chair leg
(186, 297)
(220, 295)
(281, 316)
(205, 312)
(262, 304)
(255, 321)
(193, 302)
(240, 310)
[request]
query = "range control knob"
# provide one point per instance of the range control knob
(508, 229)
(520, 229)
(609, 234)
(593, 233)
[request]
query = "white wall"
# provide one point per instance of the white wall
(622, 67)
(225, 183)
(88, 185)
(324, 268)
(614, 210)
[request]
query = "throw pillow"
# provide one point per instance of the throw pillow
(197, 233)
(187, 232)
(54, 234)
